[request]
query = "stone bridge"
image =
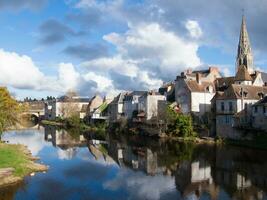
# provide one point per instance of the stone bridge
(35, 109)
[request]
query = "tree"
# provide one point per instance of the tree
(9, 110)
(69, 107)
(178, 124)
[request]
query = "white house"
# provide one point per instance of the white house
(234, 108)
(63, 106)
(150, 103)
(130, 103)
(194, 95)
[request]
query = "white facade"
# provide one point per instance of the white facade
(58, 109)
(150, 105)
(198, 102)
(201, 102)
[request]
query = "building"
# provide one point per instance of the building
(168, 90)
(149, 104)
(93, 104)
(259, 114)
(64, 106)
(116, 108)
(236, 95)
(193, 94)
(130, 103)
(233, 108)
(101, 113)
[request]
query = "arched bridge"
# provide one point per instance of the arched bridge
(35, 109)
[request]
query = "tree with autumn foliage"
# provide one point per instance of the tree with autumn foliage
(10, 110)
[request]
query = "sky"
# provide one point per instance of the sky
(48, 47)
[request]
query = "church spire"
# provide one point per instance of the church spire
(244, 52)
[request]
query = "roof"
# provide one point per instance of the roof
(225, 81)
(84, 108)
(73, 99)
(242, 74)
(235, 92)
(194, 86)
(264, 77)
(129, 96)
(119, 98)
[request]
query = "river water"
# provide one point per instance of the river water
(119, 167)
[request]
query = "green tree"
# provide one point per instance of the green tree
(9, 110)
(179, 124)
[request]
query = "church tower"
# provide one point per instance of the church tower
(244, 52)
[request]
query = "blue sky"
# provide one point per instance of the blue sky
(105, 46)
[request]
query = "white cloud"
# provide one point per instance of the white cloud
(18, 71)
(141, 186)
(68, 77)
(193, 29)
(122, 66)
(146, 54)
(85, 3)
(157, 47)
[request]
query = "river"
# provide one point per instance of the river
(119, 167)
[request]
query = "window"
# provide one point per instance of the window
(256, 109)
(246, 106)
(230, 106)
(228, 119)
(222, 106)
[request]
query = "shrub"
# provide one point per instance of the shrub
(179, 124)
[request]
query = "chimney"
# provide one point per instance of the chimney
(213, 69)
(198, 78)
(189, 71)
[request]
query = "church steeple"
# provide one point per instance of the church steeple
(244, 52)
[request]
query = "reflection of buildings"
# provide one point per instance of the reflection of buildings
(137, 158)
(210, 171)
(66, 141)
(195, 178)
(241, 172)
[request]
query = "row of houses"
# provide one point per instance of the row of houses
(232, 103)
(128, 105)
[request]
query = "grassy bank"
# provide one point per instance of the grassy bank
(16, 162)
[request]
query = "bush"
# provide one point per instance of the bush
(179, 124)
(73, 121)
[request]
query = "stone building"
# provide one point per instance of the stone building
(93, 104)
(130, 103)
(259, 114)
(116, 108)
(64, 106)
(194, 91)
(233, 108)
(149, 104)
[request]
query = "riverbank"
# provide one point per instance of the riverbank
(16, 162)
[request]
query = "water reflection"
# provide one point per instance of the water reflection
(84, 167)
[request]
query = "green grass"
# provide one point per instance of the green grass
(12, 156)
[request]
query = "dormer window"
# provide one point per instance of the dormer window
(243, 93)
